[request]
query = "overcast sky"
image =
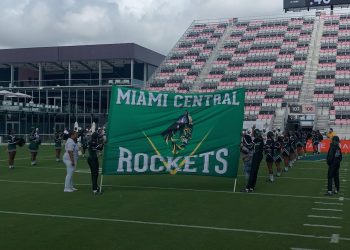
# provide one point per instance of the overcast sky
(155, 24)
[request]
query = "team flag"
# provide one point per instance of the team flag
(172, 133)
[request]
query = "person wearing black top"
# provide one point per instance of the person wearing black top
(334, 157)
(305, 137)
(247, 148)
(292, 146)
(299, 144)
(93, 148)
(315, 141)
(256, 160)
(270, 152)
(278, 154)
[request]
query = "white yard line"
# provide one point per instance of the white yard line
(327, 209)
(165, 224)
(297, 248)
(325, 217)
(327, 226)
(328, 203)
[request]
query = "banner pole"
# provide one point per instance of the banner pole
(234, 187)
(101, 183)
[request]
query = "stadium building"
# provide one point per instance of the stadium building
(53, 87)
(296, 70)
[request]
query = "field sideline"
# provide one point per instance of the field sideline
(169, 212)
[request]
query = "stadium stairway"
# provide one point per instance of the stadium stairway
(307, 90)
(322, 118)
(280, 118)
(209, 64)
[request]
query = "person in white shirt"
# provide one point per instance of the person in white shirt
(70, 159)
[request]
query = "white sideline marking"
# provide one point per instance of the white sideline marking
(298, 248)
(327, 209)
(315, 225)
(325, 217)
(182, 189)
(308, 168)
(170, 225)
(335, 238)
(328, 203)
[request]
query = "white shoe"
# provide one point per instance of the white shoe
(74, 189)
(57, 160)
(68, 190)
(11, 167)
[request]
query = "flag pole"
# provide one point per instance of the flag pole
(101, 183)
(234, 187)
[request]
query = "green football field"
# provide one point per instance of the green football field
(169, 212)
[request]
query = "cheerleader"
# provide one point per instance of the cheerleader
(58, 144)
(269, 153)
(305, 137)
(315, 141)
(278, 155)
(299, 144)
(286, 150)
(34, 142)
(292, 151)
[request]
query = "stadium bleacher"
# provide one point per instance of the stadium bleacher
(267, 57)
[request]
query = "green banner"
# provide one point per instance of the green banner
(158, 132)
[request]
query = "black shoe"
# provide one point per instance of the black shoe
(335, 192)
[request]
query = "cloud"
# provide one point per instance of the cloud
(155, 24)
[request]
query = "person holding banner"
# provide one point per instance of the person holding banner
(93, 148)
(256, 160)
(334, 157)
(70, 159)
(247, 153)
